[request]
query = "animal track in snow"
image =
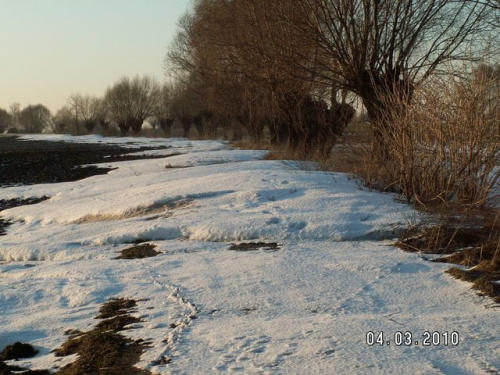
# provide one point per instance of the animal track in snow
(254, 354)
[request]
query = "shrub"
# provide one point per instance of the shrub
(445, 146)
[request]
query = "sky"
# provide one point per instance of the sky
(51, 49)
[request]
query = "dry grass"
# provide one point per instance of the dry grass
(445, 147)
(470, 239)
(354, 155)
(156, 208)
(103, 350)
(249, 144)
(115, 307)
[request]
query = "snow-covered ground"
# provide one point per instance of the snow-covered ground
(306, 308)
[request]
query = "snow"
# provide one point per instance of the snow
(305, 308)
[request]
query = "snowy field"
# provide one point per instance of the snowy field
(305, 308)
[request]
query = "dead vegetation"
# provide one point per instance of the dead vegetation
(164, 207)
(252, 246)
(470, 240)
(103, 350)
(17, 351)
(145, 250)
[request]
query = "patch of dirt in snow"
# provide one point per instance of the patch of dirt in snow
(29, 162)
(252, 246)
(145, 250)
(103, 348)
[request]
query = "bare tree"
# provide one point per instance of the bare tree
(241, 54)
(64, 120)
(88, 110)
(385, 48)
(35, 118)
(5, 120)
(184, 106)
(163, 110)
(15, 111)
(284, 51)
(132, 101)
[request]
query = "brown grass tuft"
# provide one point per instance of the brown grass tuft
(102, 350)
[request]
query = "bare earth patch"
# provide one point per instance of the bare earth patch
(103, 350)
(145, 250)
(26, 162)
(252, 246)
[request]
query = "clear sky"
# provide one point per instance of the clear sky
(51, 49)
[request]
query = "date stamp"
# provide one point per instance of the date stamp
(408, 338)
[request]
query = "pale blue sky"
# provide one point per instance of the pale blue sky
(51, 49)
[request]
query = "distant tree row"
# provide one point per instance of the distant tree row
(125, 107)
(32, 119)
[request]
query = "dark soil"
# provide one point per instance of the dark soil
(145, 250)
(24, 162)
(252, 246)
(11, 203)
(101, 351)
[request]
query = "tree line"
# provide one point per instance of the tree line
(125, 106)
(293, 69)
(299, 67)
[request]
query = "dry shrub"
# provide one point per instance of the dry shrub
(470, 239)
(444, 147)
(354, 155)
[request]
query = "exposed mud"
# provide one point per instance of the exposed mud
(24, 162)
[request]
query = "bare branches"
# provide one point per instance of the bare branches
(132, 101)
(88, 110)
(251, 56)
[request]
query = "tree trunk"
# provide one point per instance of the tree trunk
(198, 122)
(186, 125)
(136, 126)
(166, 126)
(385, 98)
(124, 127)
